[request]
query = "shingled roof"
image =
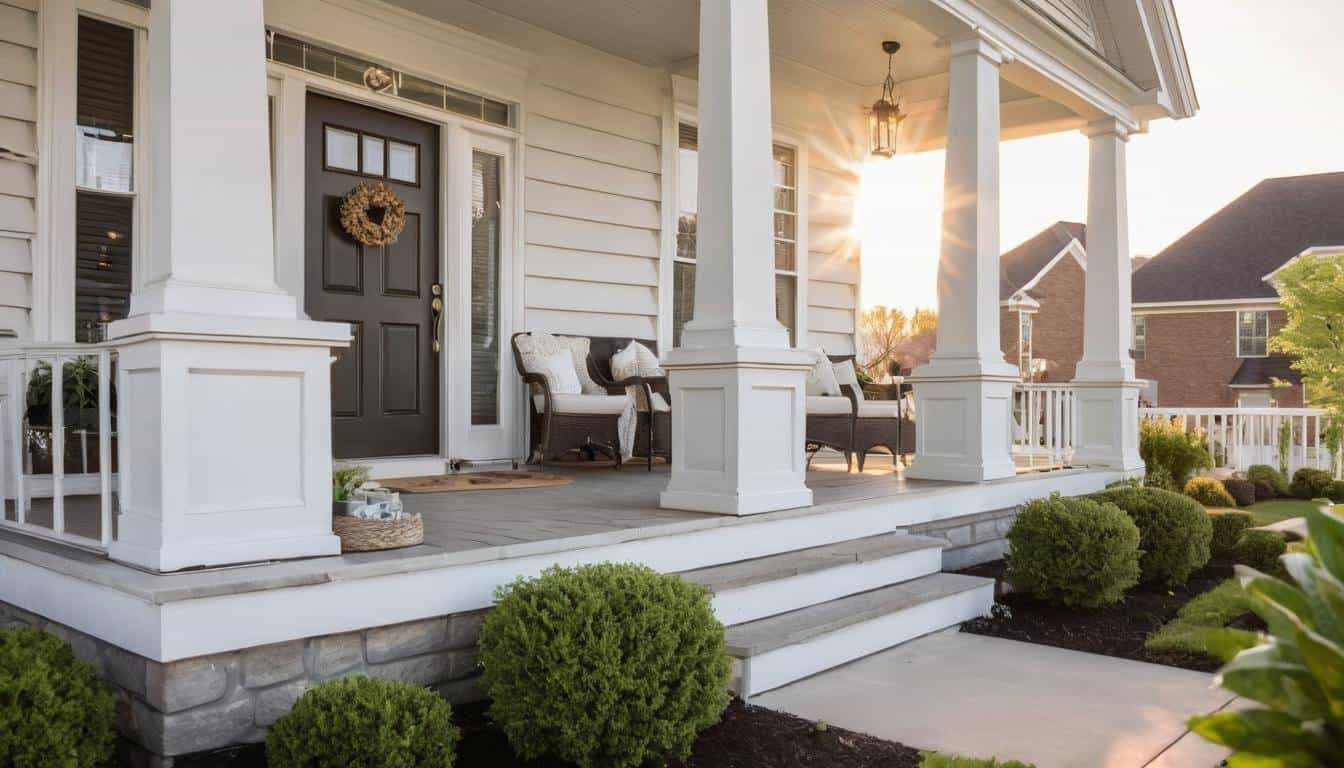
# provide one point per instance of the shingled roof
(1021, 265)
(1228, 254)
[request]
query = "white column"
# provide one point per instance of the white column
(737, 387)
(224, 422)
(1107, 392)
(963, 395)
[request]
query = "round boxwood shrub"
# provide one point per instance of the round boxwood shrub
(1310, 483)
(1335, 492)
(1263, 473)
(54, 710)
(606, 666)
(1241, 491)
(1209, 491)
(1174, 532)
(1073, 551)
(1159, 477)
(1260, 549)
(1227, 529)
(364, 721)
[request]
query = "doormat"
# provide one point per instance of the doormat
(476, 481)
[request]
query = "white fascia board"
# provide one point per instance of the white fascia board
(1315, 251)
(1074, 248)
(1168, 48)
(1212, 305)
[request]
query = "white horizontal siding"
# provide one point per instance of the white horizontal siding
(823, 293)
(593, 216)
(831, 343)
(827, 320)
(18, 179)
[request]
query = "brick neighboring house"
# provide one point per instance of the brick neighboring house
(1204, 308)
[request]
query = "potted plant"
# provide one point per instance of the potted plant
(344, 482)
(79, 412)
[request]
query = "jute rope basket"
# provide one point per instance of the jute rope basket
(359, 535)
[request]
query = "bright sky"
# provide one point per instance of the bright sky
(1270, 80)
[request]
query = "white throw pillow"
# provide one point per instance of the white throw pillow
(578, 347)
(821, 379)
(845, 374)
(638, 360)
(558, 368)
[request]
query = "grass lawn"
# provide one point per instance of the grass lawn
(1266, 512)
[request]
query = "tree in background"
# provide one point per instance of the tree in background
(1312, 292)
(889, 336)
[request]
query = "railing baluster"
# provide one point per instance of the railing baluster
(57, 445)
(105, 446)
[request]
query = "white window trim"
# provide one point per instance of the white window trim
(1134, 336)
(682, 113)
(1236, 318)
(53, 310)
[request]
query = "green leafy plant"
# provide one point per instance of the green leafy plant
(1174, 532)
(1335, 491)
(54, 710)
(1073, 551)
(1260, 549)
(606, 666)
(363, 721)
(1227, 529)
(1333, 439)
(1241, 490)
(938, 760)
(344, 481)
(1166, 444)
(79, 393)
(1276, 480)
(1209, 491)
(1310, 483)
(1285, 442)
(1294, 674)
(1159, 477)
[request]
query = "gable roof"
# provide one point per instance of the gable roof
(1227, 256)
(1264, 371)
(1024, 263)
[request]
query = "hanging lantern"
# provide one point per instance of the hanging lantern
(885, 116)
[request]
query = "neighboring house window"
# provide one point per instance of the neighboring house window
(104, 176)
(785, 233)
(1024, 345)
(1140, 337)
(1253, 333)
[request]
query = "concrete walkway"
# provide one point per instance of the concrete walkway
(987, 697)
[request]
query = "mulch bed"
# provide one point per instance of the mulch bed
(1117, 630)
(746, 737)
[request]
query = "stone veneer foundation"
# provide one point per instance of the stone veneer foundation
(971, 539)
(209, 702)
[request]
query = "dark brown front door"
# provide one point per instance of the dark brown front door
(385, 387)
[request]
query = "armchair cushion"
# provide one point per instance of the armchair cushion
(604, 405)
(879, 409)
(821, 378)
(846, 374)
(538, 345)
(558, 368)
(822, 405)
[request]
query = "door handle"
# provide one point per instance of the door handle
(436, 315)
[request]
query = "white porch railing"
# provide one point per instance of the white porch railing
(1044, 432)
(1241, 437)
(58, 479)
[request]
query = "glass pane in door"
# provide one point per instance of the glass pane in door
(485, 342)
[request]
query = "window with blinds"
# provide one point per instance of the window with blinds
(104, 176)
(785, 232)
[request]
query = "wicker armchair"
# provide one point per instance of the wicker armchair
(879, 423)
(830, 424)
(653, 435)
(563, 422)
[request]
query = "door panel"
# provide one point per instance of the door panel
(385, 387)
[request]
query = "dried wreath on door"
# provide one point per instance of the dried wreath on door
(373, 214)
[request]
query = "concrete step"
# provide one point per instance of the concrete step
(778, 650)
(748, 590)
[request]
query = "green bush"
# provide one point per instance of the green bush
(1165, 444)
(1174, 532)
(1209, 491)
(1241, 491)
(1260, 549)
(54, 710)
(1263, 473)
(936, 760)
(1293, 676)
(1227, 529)
(1073, 552)
(1335, 492)
(1159, 477)
(1310, 483)
(606, 666)
(364, 721)
(1190, 630)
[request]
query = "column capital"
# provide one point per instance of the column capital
(1107, 126)
(976, 43)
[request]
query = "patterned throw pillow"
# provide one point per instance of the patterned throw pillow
(845, 374)
(821, 379)
(638, 360)
(558, 368)
(578, 348)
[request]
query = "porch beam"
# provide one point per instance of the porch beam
(962, 395)
(1107, 391)
(737, 387)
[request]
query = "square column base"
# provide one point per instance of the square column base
(963, 422)
(738, 426)
(1107, 415)
(225, 442)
